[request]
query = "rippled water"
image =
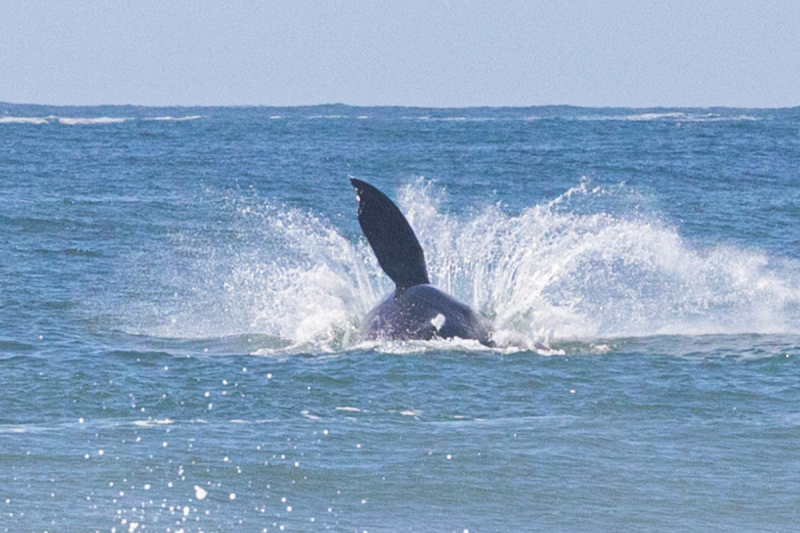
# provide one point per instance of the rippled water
(182, 290)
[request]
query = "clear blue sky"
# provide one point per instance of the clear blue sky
(638, 53)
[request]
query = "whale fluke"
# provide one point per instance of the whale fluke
(416, 309)
(391, 237)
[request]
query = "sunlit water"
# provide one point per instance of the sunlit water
(182, 291)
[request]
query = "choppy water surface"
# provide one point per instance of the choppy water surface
(182, 289)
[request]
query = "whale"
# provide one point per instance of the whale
(415, 310)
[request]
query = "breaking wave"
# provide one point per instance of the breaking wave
(672, 116)
(169, 118)
(22, 120)
(88, 121)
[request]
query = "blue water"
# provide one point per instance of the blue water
(181, 289)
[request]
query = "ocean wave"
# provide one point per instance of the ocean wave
(169, 118)
(79, 121)
(428, 118)
(83, 121)
(152, 422)
(22, 120)
(673, 116)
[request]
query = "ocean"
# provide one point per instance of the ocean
(181, 291)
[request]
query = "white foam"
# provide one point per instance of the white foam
(673, 116)
(689, 117)
(22, 120)
(90, 121)
(453, 119)
(453, 345)
(657, 116)
(169, 118)
(152, 423)
(82, 121)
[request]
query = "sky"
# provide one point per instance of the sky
(429, 53)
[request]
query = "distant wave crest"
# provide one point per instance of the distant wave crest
(84, 121)
(168, 118)
(672, 116)
(70, 121)
(22, 120)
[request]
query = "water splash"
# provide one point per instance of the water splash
(573, 268)
(275, 271)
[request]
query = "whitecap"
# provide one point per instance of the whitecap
(152, 423)
(671, 116)
(168, 118)
(22, 120)
(69, 121)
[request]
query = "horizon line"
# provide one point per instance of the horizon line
(341, 104)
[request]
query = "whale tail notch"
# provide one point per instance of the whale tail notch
(390, 235)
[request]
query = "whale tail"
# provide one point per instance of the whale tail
(391, 237)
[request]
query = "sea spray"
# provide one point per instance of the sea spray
(576, 267)
(262, 269)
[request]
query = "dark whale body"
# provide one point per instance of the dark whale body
(424, 312)
(416, 309)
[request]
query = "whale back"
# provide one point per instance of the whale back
(424, 312)
(390, 235)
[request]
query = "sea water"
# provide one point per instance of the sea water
(181, 291)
